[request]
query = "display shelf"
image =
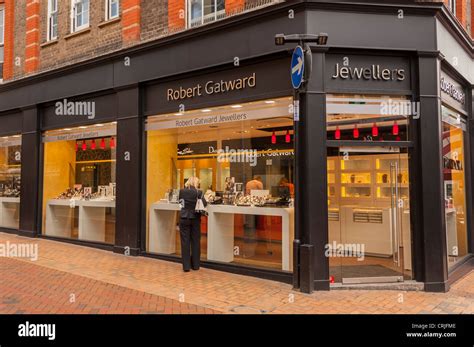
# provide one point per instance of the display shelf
(60, 215)
(9, 212)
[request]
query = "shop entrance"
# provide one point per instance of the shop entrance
(369, 214)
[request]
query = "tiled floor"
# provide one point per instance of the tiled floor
(104, 282)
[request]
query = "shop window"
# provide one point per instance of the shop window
(112, 8)
(80, 15)
(369, 118)
(204, 11)
(454, 129)
(52, 33)
(79, 183)
(10, 181)
(244, 158)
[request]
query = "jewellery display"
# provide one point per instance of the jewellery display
(11, 188)
(106, 193)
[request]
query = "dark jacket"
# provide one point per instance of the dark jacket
(190, 196)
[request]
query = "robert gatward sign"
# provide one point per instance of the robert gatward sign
(211, 88)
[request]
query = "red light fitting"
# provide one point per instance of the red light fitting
(93, 146)
(274, 138)
(287, 137)
(112, 142)
(375, 130)
(337, 133)
(77, 146)
(355, 133)
(102, 143)
(84, 145)
(395, 129)
(331, 279)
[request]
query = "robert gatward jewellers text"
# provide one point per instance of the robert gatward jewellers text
(211, 87)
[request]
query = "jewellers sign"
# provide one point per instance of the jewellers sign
(452, 92)
(367, 73)
(218, 118)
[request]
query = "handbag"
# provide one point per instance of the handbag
(200, 208)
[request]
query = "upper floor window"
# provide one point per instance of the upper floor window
(52, 20)
(2, 35)
(80, 15)
(111, 9)
(204, 11)
(452, 6)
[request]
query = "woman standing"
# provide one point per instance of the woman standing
(190, 224)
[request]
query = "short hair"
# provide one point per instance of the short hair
(257, 177)
(192, 182)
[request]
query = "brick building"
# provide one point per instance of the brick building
(108, 107)
(40, 35)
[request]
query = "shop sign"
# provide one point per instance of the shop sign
(79, 135)
(211, 87)
(220, 118)
(362, 73)
(452, 92)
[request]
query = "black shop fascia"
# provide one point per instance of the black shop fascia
(211, 88)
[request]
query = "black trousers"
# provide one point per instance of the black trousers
(190, 231)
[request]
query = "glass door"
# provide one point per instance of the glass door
(369, 215)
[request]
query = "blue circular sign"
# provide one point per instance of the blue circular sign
(297, 67)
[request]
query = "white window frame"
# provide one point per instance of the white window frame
(108, 9)
(452, 6)
(204, 19)
(52, 13)
(2, 33)
(74, 26)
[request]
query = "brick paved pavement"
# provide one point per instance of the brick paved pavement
(104, 282)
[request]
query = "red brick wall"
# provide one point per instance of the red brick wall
(234, 6)
(176, 15)
(32, 36)
(461, 12)
(131, 18)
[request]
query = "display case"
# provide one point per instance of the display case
(366, 180)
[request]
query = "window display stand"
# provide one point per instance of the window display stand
(220, 245)
(163, 221)
(60, 217)
(9, 212)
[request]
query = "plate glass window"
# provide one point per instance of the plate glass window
(79, 183)
(453, 140)
(52, 20)
(243, 155)
(10, 181)
(80, 14)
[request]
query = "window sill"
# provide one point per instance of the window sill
(109, 22)
(49, 43)
(77, 33)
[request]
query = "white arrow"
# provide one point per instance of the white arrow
(298, 67)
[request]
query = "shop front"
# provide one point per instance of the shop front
(369, 110)
(78, 175)
(454, 146)
(234, 131)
